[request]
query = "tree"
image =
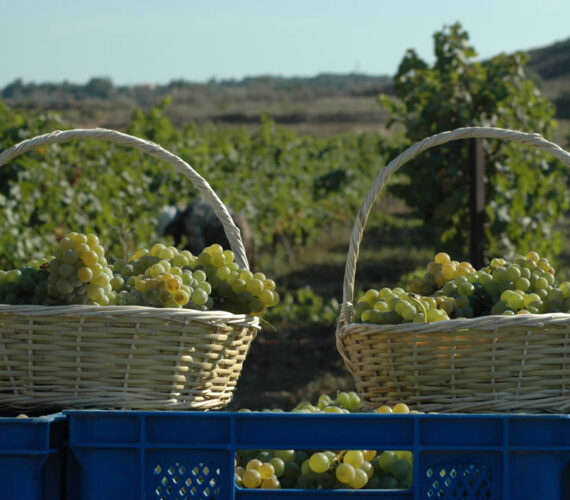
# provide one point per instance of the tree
(99, 87)
(525, 189)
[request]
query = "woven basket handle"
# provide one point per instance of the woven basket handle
(231, 230)
(535, 140)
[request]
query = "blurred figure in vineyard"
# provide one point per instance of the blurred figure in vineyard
(198, 227)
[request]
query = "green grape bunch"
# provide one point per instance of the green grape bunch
(236, 289)
(159, 276)
(79, 272)
(166, 277)
(24, 286)
(327, 469)
(455, 290)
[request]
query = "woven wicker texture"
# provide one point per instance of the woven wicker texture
(515, 363)
(143, 358)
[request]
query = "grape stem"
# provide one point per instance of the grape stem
(414, 298)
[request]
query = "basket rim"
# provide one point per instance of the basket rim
(456, 324)
(33, 310)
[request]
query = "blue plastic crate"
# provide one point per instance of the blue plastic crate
(31, 457)
(167, 455)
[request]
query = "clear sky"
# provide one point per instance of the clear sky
(156, 41)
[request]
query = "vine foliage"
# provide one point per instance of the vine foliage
(525, 189)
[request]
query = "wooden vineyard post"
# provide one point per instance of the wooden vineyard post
(477, 202)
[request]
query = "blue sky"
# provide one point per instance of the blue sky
(148, 41)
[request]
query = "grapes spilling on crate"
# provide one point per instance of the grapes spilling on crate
(327, 469)
(451, 290)
(159, 276)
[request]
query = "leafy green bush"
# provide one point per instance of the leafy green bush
(525, 190)
(304, 306)
(288, 187)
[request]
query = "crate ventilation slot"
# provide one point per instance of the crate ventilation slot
(187, 482)
(459, 482)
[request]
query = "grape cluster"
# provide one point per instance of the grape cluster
(163, 277)
(79, 273)
(451, 289)
(159, 276)
(438, 272)
(166, 277)
(392, 306)
(237, 290)
(23, 286)
(327, 469)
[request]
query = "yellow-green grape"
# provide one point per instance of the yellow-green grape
(139, 254)
(270, 483)
(285, 455)
(140, 285)
(199, 297)
(442, 258)
(266, 470)
(386, 460)
(405, 455)
(323, 401)
(368, 469)
(214, 249)
(255, 286)
(88, 257)
(434, 315)
(155, 250)
(223, 272)
(345, 473)
(278, 466)
(319, 462)
(117, 282)
(354, 458)
(360, 479)
(165, 264)
(342, 399)
(267, 298)
(383, 409)
(245, 275)
(218, 260)
(353, 402)
(306, 468)
(155, 270)
(172, 283)
(253, 464)
(251, 478)
(199, 276)
(239, 470)
(166, 254)
(269, 284)
(95, 292)
(401, 408)
(334, 409)
(102, 279)
(181, 297)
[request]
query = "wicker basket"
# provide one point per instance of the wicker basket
(127, 357)
(515, 363)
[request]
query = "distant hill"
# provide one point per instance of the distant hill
(551, 62)
(324, 103)
(552, 65)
